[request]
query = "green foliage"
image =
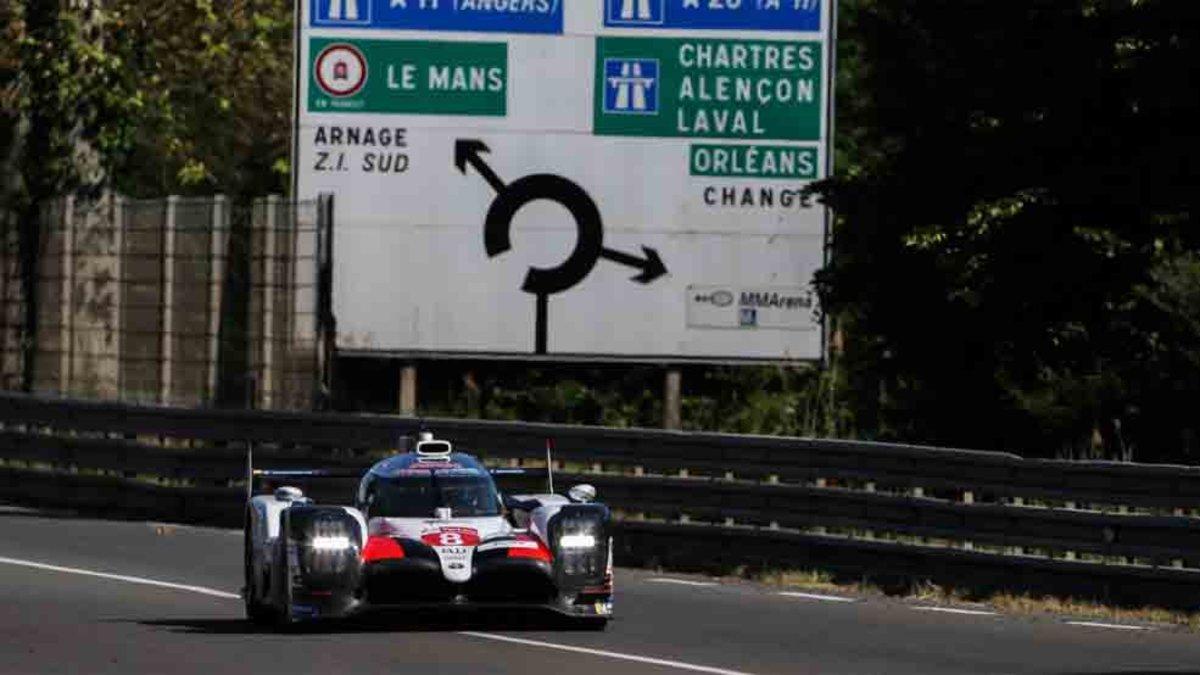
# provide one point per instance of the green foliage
(773, 400)
(212, 82)
(63, 86)
(1013, 173)
(149, 98)
(11, 28)
(752, 399)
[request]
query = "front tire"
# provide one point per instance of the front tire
(257, 612)
(282, 573)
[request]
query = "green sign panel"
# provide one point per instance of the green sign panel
(754, 161)
(423, 77)
(708, 88)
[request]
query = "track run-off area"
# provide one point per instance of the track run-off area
(95, 596)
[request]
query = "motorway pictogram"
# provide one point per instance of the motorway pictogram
(589, 243)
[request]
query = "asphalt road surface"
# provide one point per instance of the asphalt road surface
(93, 596)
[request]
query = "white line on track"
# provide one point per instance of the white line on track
(816, 596)
(600, 652)
(666, 663)
(955, 610)
(121, 577)
(1115, 626)
(681, 582)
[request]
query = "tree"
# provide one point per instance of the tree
(1014, 172)
(63, 117)
(212, 82)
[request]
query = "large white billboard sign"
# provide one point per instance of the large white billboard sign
(601, 178)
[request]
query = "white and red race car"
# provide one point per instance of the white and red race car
(429, 529)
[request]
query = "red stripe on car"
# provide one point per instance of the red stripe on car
(382, 548)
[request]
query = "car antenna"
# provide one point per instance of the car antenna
(412, 441)
(550, 464)
(249, 470)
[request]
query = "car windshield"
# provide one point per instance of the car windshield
(466, 494)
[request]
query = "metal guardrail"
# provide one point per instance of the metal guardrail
(691, 499)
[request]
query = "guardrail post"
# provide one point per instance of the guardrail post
(673, 400)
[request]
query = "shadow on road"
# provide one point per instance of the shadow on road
(12, 511)
(383, 623)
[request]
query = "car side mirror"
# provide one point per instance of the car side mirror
(582, 493)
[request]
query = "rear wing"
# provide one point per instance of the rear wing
(547, 472)
(254, 476)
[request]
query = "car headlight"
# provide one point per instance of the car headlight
(331, 543)
(577, 541)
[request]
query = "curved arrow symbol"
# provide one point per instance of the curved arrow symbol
(468, 151)
(652, 266)
(589, 242)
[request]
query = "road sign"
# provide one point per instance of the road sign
(617, 179)
(797, 16)
(508, 16)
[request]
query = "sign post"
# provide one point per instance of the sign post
(593, 179)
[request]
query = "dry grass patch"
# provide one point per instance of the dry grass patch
(1006, 603)
(1029, 605)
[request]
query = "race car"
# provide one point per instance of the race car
(428, 529)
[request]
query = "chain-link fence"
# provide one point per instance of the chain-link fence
(168, 300)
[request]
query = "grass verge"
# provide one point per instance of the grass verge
(1002, 602)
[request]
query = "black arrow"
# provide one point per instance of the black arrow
(652, 266)
(468, 151)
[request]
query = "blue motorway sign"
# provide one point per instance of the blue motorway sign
(487, 16)
(772, 15)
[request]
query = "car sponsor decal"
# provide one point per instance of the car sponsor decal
(506, 543)
(455, 546)
(451, 536)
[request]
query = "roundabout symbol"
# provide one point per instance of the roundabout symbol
(542, 282)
